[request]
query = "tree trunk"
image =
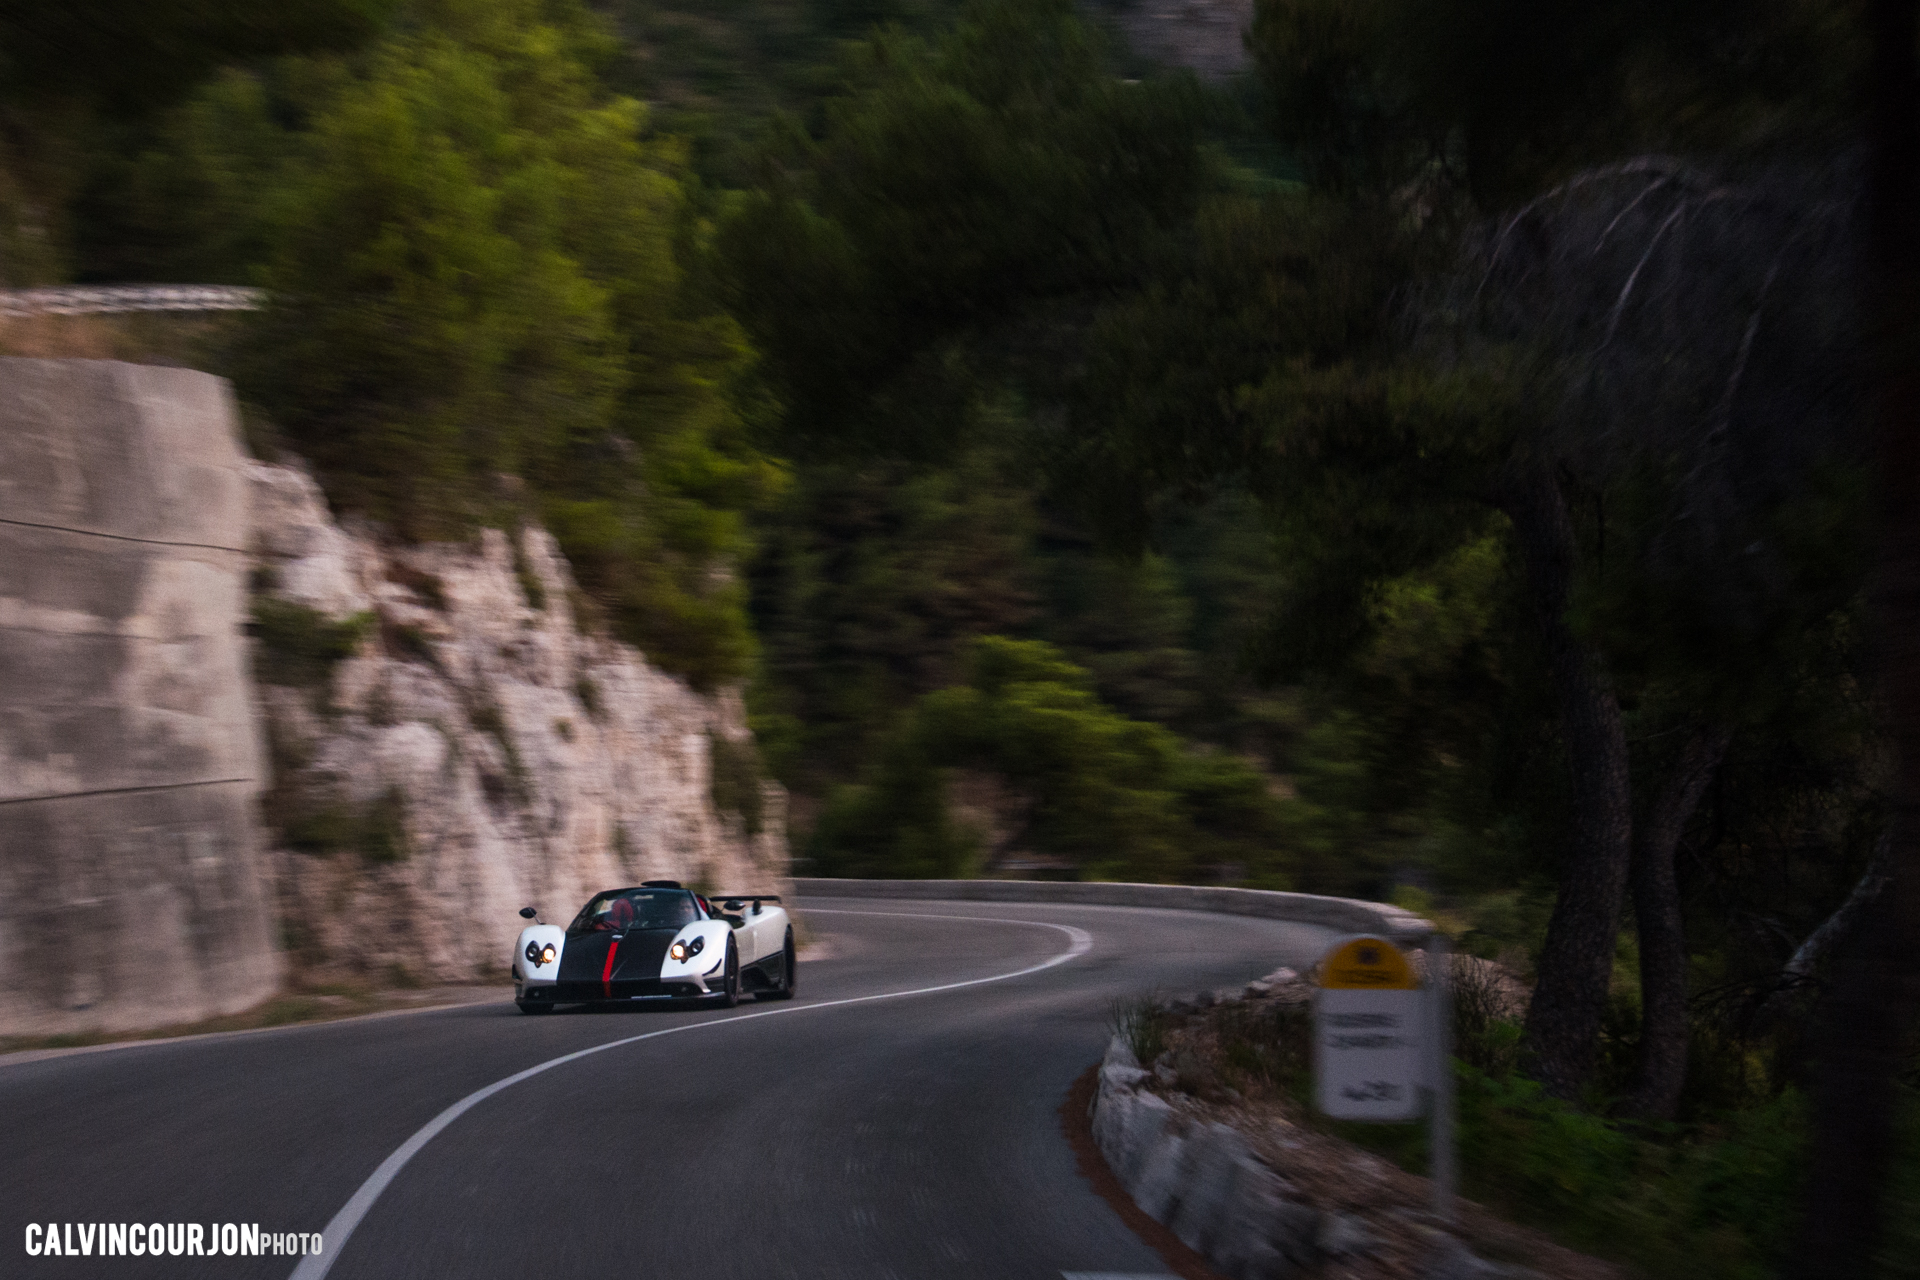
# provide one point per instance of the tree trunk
(1865, 1016)
(1576, 963)
(1835, 934)
(1662, 1067)
(1837, 928)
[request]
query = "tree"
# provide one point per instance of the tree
(1111, 796)
(1654, 341)
(871, 583)
(1877, 990)
(953, 189)
(480, 270)
(129, 56)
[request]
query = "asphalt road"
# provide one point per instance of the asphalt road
(835, 1136)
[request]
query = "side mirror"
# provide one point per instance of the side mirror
(528, 913)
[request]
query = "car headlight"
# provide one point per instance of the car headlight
(538, 955)
(688, 949)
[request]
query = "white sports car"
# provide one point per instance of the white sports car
(657, 942)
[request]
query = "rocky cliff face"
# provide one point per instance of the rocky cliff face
(474, 751)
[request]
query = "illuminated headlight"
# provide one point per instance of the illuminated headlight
(687, 950)
(538, 955)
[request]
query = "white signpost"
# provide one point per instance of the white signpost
(1381, 1045)
(1369, 1028)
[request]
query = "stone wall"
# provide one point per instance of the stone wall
(130, 885)
(477, 752)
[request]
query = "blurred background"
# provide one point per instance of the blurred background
(1420, 452)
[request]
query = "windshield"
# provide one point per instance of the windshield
(636, 909)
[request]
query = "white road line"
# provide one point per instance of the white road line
(340, 1229)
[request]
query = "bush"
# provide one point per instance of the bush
(734, 780)
(481, 268)
(1142, 1022)
(1712, 1199)
(300, 646)
(1118, 798)
(377, 831)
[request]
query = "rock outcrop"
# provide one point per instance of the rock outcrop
(477, 751)
(131, 891)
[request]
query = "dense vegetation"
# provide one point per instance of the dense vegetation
(1433, 468)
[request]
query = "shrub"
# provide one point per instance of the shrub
(734, 781)
(383, 827)
(1117, 797)
(377, 831)
(588, 694)
(299, 647)
(1142, 1022)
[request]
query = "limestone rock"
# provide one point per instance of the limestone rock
(1119, 1053)
(1158, 1185)
(1342, 1234)
(517, 759)
(1214, 1158)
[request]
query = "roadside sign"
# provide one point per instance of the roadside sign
(1369, 1029)
(1367, 964)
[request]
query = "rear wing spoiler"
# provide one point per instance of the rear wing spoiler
(743, 897)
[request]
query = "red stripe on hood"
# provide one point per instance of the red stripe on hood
(606, 974)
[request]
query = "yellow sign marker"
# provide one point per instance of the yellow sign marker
(1367, 964)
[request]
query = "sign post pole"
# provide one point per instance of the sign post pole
(1444, 1165)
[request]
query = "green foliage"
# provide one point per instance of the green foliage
(383, 827)
(718, 73)
(947, 188)
(1900, 1252)
(1118, 798)
(588, 695)
(530, 585)
(193, 195)
(1142, 1022)
(299, 647)
(490, 720)
(129, 55)
(1129, 622)
(1713, 1199)
(428, 327)
(896, 825)
(480, 269)
(376, 831)
(1717, 1202)
(734, 772)
(870, 584)
(1375, 93)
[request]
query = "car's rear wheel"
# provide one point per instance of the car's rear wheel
(789, 975)
(533, 1006)
(730, 983)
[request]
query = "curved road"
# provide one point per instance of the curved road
(853, 1132)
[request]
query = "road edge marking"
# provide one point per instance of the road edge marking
(341, 1226)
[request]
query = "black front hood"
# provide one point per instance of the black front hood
(639, 955)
